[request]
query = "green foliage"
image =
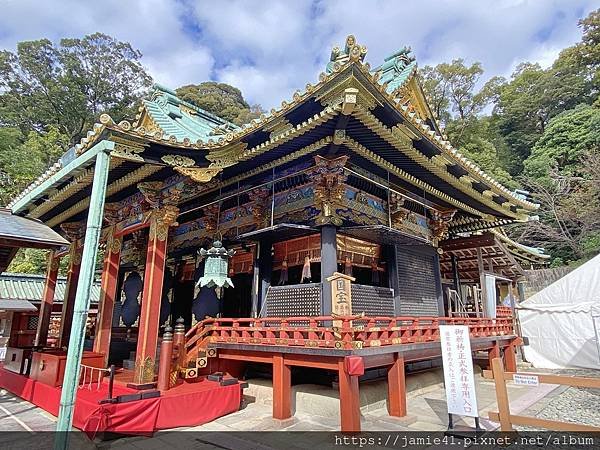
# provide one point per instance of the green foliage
(34, 260)
(544, 131)
(451, 88)
(563, 142)
(68, 86)
(557, 262)
(220, 99)
(525, 105)
(22, 160)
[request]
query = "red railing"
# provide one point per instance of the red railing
(504, 311)
(335, 332)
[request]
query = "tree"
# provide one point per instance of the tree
(525, 105)
(458, 105)
(569, 214)
(23, 161)
(220, 99)
(563, 142)
(69, 85)
(451, 88)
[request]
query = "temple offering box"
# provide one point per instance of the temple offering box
(17, 360)
(48, 367)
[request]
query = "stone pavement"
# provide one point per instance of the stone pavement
(18, 415)
(426, 412)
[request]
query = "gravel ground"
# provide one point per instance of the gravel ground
(568, 404)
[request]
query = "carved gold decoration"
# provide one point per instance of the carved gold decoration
(349, 100)
(260, 206)
(339, 136)
(336, 94)
(351, 52)
(147, 125)
(114, 244)
(439, 224)
(144, 370)
(211, 214)
(186, 109)
(127, 149)
(160, 221)
(328, 177)
(199, 174)
(53, 261)
(73, 230)
(398, 214)
(178, 160)
(227, 155)
(278, 127)
(151, 190)
(112, 213)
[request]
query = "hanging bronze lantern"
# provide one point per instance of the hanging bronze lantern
(215, 268)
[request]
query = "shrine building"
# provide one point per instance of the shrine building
(336, 233)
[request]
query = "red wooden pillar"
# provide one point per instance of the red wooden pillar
(41, 335)
(108, 293)
(349, 400)
(510, 358)
(68, 306)
(166, 357)
(179, 342)
(282, 388)
(493, 352)
(397, 387)
(145, 359)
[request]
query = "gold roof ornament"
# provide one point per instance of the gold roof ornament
(351, 52)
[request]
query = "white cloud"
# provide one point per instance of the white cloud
(270, 48)
(155, 27)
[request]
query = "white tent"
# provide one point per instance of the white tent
(562, 321)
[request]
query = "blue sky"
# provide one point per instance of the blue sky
(270, 48)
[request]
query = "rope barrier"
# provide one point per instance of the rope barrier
(88, 383)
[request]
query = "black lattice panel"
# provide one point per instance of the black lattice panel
(416, 283)
(372, 300)
(32, 322)
(296, 300)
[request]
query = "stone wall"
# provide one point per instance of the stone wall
(536, 280)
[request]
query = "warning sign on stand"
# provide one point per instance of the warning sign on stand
(458, 370)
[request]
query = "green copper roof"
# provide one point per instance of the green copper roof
(22, 286)
(396, 69)
(179, 118)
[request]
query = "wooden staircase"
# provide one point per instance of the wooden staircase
(194, 360)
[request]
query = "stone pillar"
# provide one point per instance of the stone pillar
(328, 265)
(41, 335)
(160, 221)
(108, 293)
(66, 318)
